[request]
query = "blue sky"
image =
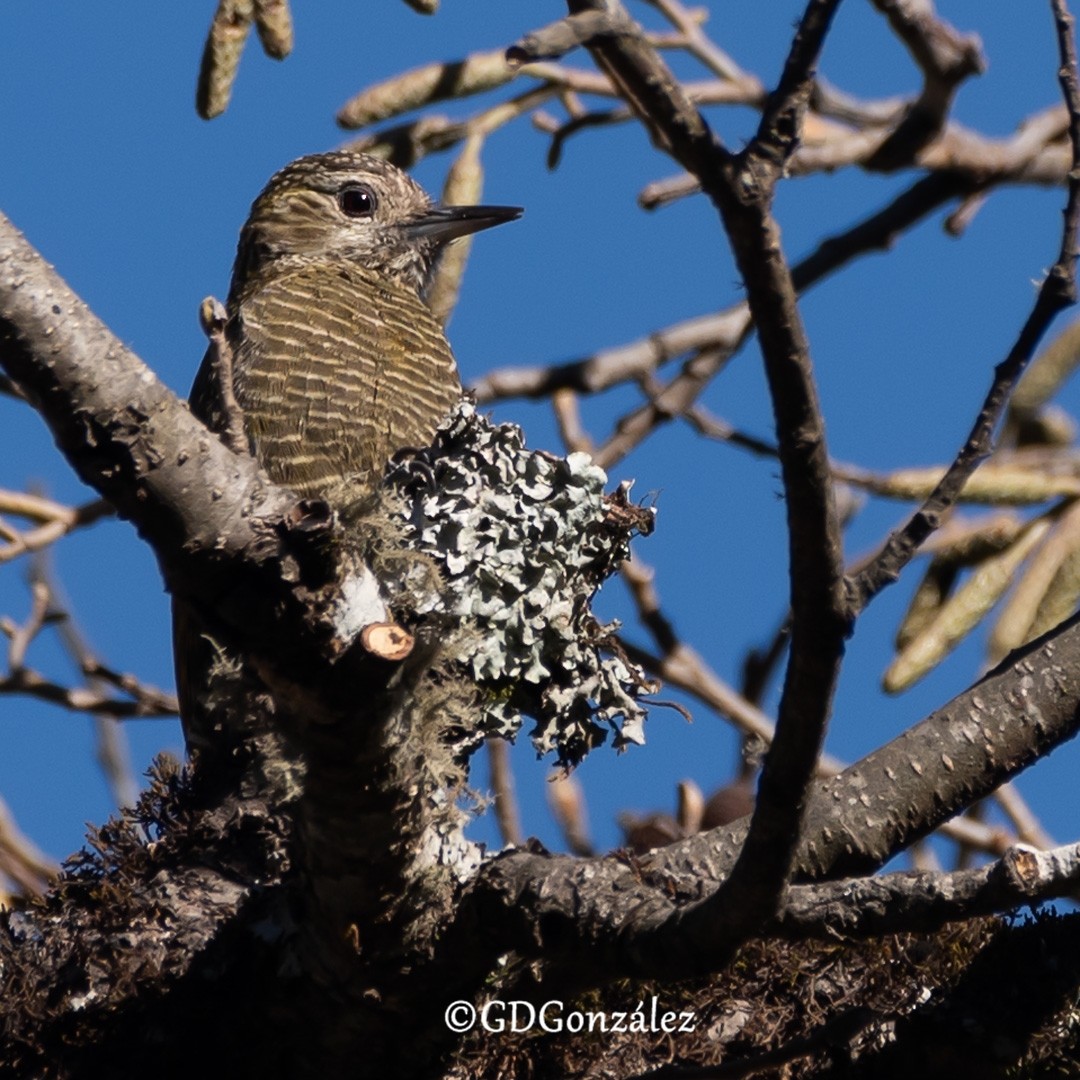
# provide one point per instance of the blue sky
(107, 169)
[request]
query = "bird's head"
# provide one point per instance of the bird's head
(352, 206)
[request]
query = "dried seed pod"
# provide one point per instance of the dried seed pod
(1061, 598)
(1017, 622)
(965, 541)
(464, 187)
(963, 612)
(959, 544)
(221, 56)
(273, 20)
(998, 484)
(1047, 372)
(934, 589)
(567, 801)
(691, 807)
(424, 85)
(1049, 425)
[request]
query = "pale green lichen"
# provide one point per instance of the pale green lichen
(524, 539)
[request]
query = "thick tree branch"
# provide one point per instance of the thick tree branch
(679, 665)
(617, 917)
(780, 127)
(255, 560)
(741, 187)
(260, 565)
(920, 900)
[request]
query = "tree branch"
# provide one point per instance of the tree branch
(916, 900)
(622, 918)
(741, 187)
(945, 58)
(711, 339)
(1058, 290)
(255, 560)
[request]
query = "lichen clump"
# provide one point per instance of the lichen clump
(524, 539)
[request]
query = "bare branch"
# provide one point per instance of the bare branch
(21, 636)
(1035, 154)
(131, 438)
(560, 37)
(1058, 290)
(567, 801)
(111, 750)
(564, 403)
(213, 319)
(742, 190)
(20, 861)
(604, 913)
(714, 338)
(945, 57)
(700, 45)
(55, 521)
(620, 363)
(502, 784)
(1027, 825)
(680, 666)
(920, 900)
(147, 701)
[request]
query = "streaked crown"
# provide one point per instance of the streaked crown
(343, 205)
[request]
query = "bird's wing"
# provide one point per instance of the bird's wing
(334, 370)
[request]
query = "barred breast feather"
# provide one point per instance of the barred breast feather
(335, 368)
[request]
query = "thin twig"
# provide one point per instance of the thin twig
(1021, 816)
(567, 801)
(111, 751)
(912, 901)
(21, 679)
(20, 636)
(150, 703)
(56, 521)
(502, 784)
(700, 45)
(20, 860)
(741, 187)
(685, 669)
(564, 403)
(1058, 290)
(214, 319)
(945, 57)
(872, 234)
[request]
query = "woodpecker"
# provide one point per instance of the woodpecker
(337, 361)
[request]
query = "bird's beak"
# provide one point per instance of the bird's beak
(443, 223)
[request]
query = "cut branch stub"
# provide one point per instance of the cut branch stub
(387, 641)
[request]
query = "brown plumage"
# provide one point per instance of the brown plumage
(337, 359)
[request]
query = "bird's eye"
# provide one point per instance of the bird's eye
(357, 201)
